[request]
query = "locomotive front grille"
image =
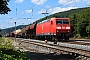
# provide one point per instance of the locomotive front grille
(62, 31)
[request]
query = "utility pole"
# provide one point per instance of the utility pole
(75, 24)
(4, 34)
(15, 33)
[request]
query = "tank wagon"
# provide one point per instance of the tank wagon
(21, 34)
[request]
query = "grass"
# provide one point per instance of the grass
(5, 43)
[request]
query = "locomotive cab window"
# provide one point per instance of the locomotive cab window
(65, 22)
(58, 21)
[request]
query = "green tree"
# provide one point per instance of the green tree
(88, 30)
(4, 9)
(83, 20)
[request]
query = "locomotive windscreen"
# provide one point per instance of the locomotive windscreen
(58, 21)
(65, 22)
(62, 22)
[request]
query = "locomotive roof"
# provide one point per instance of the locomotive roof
(59, 18)
(44, 21)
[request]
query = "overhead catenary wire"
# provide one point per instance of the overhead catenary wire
(30, 7)
(56, 6)
(64, 3)
(25, 12)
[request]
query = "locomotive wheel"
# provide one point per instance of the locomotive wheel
(55, 41)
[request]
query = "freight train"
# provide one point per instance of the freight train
(52, 29)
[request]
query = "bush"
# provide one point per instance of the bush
(78, 36)
(7, 51)
(0, 35)
(12, 55)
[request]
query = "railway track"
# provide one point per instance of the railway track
(80, 49)
(80, 42)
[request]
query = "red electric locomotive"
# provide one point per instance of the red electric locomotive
(54, 29)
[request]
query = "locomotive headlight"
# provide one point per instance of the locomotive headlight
(58, 27)
(67, 27)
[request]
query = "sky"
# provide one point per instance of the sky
(24, 12)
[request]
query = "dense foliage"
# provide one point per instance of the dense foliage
(4, 9)
(81, 22)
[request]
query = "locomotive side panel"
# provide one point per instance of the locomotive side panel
(38, 29)
(53, 26)
(46, 28)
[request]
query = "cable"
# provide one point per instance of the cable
(64, 3)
